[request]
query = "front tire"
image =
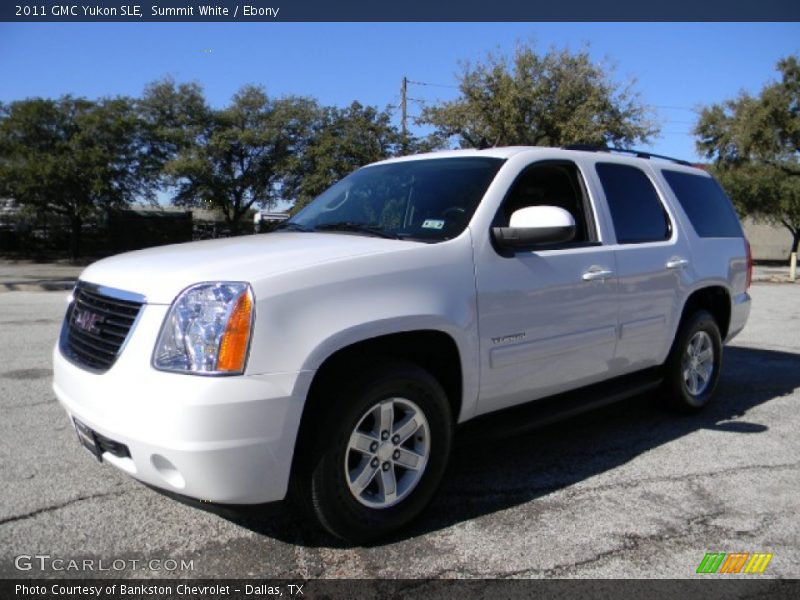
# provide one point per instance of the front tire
(693, 367)
(380, 453)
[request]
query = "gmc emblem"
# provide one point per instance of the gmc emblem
(87, 320)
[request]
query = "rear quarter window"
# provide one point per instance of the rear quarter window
(705, 203)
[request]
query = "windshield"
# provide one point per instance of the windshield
(427, 199)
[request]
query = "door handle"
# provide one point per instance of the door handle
(677, 263)
(597, 274)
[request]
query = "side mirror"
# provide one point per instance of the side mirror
(536, 225)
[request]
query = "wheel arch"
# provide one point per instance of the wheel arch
(434, 350)
(716, 299)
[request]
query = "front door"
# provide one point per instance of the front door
(548, 315)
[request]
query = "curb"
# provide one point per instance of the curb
(774, 279)
(42, 285)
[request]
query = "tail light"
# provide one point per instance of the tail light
(749, 264)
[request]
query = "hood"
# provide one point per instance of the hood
(161, 273)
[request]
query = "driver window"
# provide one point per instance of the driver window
(550, 184)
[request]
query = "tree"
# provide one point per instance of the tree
(554, 99)
(174, 116)
(73, 157)
(343, 140)
(234, 158)
(754, 142)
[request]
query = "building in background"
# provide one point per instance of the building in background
(767, 242)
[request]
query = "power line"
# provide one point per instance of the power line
(426, 83)
(453, 86)
(404, 99)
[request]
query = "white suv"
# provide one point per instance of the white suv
(340, 353)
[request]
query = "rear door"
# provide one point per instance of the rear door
(651, 256)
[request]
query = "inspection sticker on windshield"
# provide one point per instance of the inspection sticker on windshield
(433, 224)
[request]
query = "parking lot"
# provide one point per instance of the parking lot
(626, 491)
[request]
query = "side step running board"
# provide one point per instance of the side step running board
(519, 419)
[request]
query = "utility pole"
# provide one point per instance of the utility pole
(404, 111)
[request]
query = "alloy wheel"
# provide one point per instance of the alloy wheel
(698, 363)
(387, 453)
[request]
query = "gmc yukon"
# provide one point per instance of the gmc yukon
(334, 358)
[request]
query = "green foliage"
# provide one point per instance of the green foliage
(72, 156)
(343, 140)
(174, 116)
(231, 159)
(553, 99)
(77, 157)
(754, 142)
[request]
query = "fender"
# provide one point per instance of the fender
(467, 349)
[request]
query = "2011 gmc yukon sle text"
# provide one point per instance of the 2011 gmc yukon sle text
(334, 358)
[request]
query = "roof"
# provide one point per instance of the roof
(509, 151)
(504, 152)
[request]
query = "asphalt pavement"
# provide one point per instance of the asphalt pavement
(626, 491)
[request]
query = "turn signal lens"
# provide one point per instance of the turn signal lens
(233, 348)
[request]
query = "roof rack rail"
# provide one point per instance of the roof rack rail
(636, 153)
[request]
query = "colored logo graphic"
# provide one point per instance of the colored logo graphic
(736, 562)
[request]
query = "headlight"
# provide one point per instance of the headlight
(207, 330)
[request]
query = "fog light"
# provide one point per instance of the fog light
(167, 471)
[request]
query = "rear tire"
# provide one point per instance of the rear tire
(692, 369)
(379, 452)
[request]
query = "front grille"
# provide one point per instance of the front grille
(97, 324)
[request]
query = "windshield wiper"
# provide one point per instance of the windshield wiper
(290, 226)
(375, 230)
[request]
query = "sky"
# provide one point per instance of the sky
(677, 67)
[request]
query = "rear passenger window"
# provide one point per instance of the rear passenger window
(705, 203)
(636, 209)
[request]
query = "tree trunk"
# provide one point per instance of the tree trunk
(75, 224)
(234, 222)
(235, 213)
(795, 231)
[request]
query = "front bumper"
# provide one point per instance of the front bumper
(220, 439)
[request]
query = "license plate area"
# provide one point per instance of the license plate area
(87, 438)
